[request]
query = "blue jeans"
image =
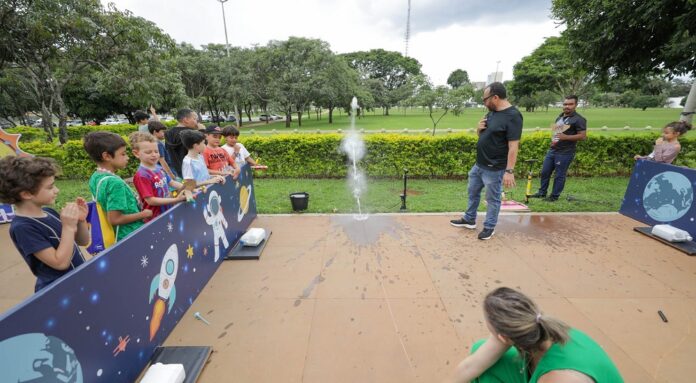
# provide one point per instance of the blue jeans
(559, 163)
(493, 181)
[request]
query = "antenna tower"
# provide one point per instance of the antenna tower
(408, 28)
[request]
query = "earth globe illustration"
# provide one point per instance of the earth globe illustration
(668, 196)
(36, 357)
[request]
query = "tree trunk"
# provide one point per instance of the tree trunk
(690, 105)
(386, 111)
(247, 110)
(299, 118)
(239, 115)
(62, 117)
(47, 122)
(331, 108)
(288, 117)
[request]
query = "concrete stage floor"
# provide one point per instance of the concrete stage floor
(396, 298)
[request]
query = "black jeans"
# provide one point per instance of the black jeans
(558, 162)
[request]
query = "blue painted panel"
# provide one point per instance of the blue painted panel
(661, 193)
(96, 324)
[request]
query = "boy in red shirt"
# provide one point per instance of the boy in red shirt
(216, 158)
(151, 181)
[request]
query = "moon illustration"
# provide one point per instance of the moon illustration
(244, 198)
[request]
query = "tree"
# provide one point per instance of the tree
(440, 98)
(295, 65)
(196, 69)
(645, 101)
(338, 83)
(634, 38)
(55, 41)
(391, 69)
(550, 67)
(458, 78)
(14, 100)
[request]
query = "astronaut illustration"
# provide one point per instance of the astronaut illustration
(213, 216)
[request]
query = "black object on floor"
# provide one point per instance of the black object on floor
(299, 201)
(689, 247)
(240, 251)
(192, 357)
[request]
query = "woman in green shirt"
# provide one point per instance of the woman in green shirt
(526, 346)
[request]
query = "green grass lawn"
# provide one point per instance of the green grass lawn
(382, 196)
(417, 119)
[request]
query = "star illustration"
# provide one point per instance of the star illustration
(143, 261)
(170, 227)
(189, 251)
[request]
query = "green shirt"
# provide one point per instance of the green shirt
(581, 354)
(115, 195)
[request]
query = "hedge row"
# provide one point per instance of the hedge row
(451, 156)
(30, 133)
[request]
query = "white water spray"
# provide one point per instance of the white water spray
(354, 146)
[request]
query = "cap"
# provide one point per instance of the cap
(213, 129)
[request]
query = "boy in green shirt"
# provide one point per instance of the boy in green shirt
(108, 151)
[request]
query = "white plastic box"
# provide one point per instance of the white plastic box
(671, 233)
(164, 373)
(253, 237)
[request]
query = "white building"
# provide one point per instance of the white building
(495, 77)
(478, 85)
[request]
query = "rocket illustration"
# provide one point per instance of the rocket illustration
(163, 284)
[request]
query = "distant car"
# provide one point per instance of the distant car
(218, 119)
(231, 118)
(266, 117)
(73, 123)
(110, 121)
(166, 119)
(205, 118)
(39, 123)
(276, 117)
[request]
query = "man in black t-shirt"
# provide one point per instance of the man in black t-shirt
(187, 119)
(569, 128)
(496, 153)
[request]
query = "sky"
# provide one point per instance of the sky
(445, 34)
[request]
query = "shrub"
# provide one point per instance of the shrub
(447, 156)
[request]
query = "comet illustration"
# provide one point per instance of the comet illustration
(163, 284)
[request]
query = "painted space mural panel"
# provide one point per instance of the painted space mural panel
(102, 322)
(660, 193)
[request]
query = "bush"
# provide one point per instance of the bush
(449, 156)
(30, 133)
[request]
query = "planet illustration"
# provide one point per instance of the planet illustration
(668, 196)
(244, 199)
(36, 357)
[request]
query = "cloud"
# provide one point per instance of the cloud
(429, 15)
(445, 34)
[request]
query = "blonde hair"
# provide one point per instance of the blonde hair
(518, 318)
(136, 138)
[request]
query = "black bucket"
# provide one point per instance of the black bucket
(299, 201)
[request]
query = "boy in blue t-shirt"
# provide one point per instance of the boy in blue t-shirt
(193, 167)
(47, 241)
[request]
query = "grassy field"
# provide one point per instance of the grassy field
(333, 196)
(417, 119)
